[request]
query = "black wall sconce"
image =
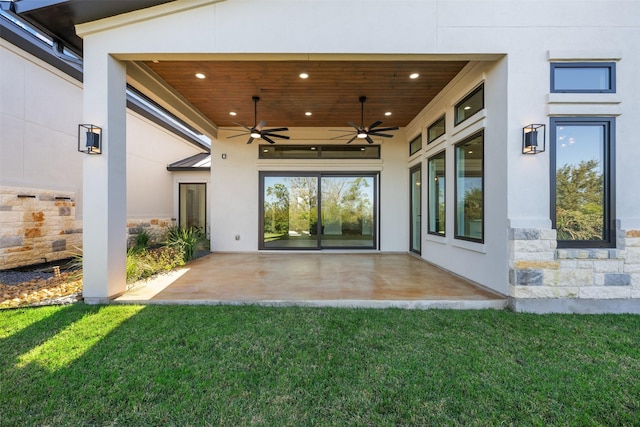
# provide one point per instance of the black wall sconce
(89, 139)
(532, 141)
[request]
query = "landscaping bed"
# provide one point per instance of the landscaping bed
(33, 288)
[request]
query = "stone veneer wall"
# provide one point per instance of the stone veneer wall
(539, 271)
(156, 228)
(36, 226)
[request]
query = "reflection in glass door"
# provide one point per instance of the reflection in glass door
(290, 212)
(347, 212)
(193, 206)
(317, 211)
(416, 209)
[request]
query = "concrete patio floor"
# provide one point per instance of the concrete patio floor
(313, 279)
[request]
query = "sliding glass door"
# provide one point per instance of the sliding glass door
(347, 212)
(290, 212)
(317, 210)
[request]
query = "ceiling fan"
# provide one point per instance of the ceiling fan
(366, 132)
(258, 131)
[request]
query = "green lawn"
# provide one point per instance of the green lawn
(204, 365)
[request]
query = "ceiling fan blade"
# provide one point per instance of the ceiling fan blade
(267, 131)
(269, 140)
(352, 139)
(384, 135)
(386, 129)
(340, 136)
(240, 134)
(241, 125)
(353, 125)
(250, 140)
(369, 140)
(374, 124)
(260, 125)
(274, 135)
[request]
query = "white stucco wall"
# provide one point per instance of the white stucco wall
(235, 209)
(516, 38)
(40, 109)
(150, 148)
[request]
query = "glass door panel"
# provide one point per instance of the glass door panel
(348, 207)
(290, 212)
(193, 205)
(416, 209)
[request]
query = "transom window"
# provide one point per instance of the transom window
(436, 130)
(583, 77)
(319, 152)
(469, 105)
(415, 145)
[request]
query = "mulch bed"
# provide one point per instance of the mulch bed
(65, 288)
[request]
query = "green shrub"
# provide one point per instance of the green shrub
(188, 240)
(141, 240)
(143, 263)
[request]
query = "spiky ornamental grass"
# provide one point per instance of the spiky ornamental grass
(201, 365)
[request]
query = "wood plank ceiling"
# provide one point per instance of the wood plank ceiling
(330, 93)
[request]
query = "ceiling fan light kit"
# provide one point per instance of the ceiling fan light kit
(362, 131)
(366, 132)
(257, 131)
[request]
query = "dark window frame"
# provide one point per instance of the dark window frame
(206, 211)
(443, 154)
(417, 167)
(319, 175)
(455, 196)
(411, 150)
(611, 66)
(318, 150)
(435, 122)
(479, 88)
(609, 219)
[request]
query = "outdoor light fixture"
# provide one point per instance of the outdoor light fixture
(532, 142)
(89, 139)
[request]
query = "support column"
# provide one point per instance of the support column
(104, 179)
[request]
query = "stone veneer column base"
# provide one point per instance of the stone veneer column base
(574, 305)
(545, 279)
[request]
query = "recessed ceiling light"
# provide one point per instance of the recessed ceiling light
(308, 113)
(414, 75)
(313, 148)
(388, 113)
(303, 75)
(200, 75)
(467, 108)
(232, 113)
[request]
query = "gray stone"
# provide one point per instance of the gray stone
(617, 279)
(73, 231)
(526, 234)
(10, 241)
(532, 277)
(46, 198)
(6, 207)
(64, 211)
(59, 245)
